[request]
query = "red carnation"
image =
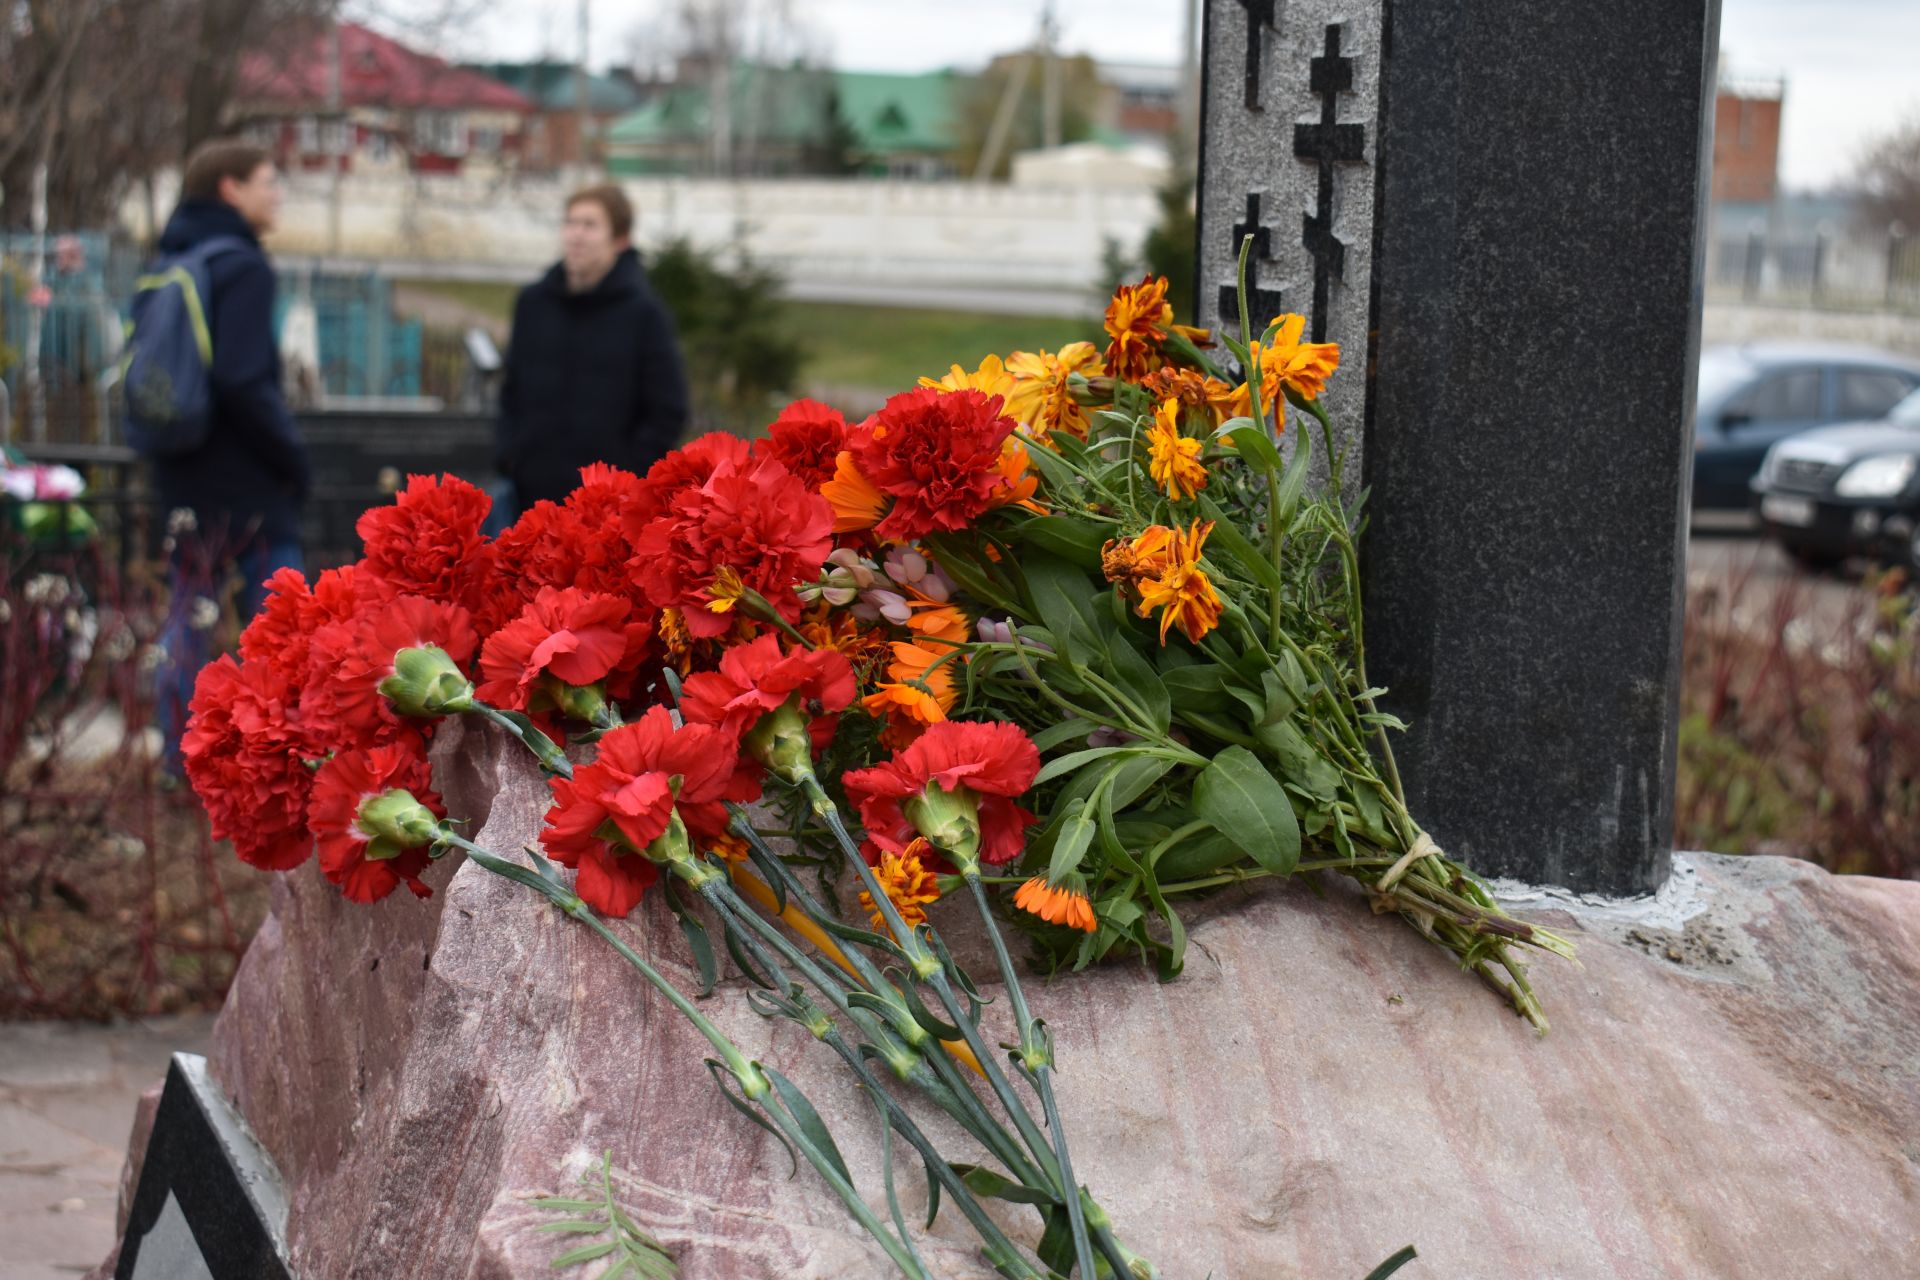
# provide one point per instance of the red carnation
(359, 852)
(760, 523)
(757, 679)
(428, 543)
(938, 454)
(244, 755)
(806, 439)
(342, 704)
(688, 467)
(277, 637)
(984, 765)
(597, 514)
(575, 637)
(540, 549)
(630, 786)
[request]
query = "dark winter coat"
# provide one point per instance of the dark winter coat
(590, 377)
(249, 479)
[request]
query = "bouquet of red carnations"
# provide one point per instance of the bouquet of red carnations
(1066, 634)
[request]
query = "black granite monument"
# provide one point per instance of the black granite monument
(1495, 208)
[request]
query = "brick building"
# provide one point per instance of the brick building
(1746, 141)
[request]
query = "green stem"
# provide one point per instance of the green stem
(1036, 1053)
(734, 912)
(752, 1080)
(551, 757)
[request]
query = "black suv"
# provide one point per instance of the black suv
(1847, 490)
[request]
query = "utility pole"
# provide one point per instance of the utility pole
(1050, 78)
(582, 93)
(336, 118)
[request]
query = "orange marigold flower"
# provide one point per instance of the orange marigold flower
(725, 590)
(863, 645)
(1180, 589)
(1193, 389)
(1137, 321)
(991, 378)
(1056, 905)
(1287, 362)
(675, 639)
(731, 848)
(906, 878)
(1174, 459)
(1042, 396)
(857, 504)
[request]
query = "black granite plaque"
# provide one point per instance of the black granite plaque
(209, 1204)
(1499, 212)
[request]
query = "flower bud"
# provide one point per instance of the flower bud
(780, 740)
(426, 682)
(396, 821)
(950, 820)
(576, 701)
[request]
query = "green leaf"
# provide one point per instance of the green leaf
(1250, 439)
(811, 1125)
(1076, 834)
(585, 1253)
(1133, 776)
(1293, 481)
(697, 940)
(1077, 541)
(1057, 735)
(580, 1225)
(1245, 804)
(1198, 688)
(1393, 1264)
(1136, 677)
(1227, 536)
(985, 1182)
(1061, 766)
(567, 1206)
(1063, 596)
(1196, 857)
(1301, 763)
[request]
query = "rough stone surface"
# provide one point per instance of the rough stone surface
(1731, 1087)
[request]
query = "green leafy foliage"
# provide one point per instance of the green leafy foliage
(627, 1248)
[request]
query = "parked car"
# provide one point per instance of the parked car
(1847, 490)
(1754, 395)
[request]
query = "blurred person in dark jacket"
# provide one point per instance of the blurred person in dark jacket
(246, 484)
(593, 370)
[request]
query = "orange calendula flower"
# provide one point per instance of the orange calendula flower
(937, 623)
(674, 639)
(991, 378)
(1137, 321)
(915, 686)
(1017, 484)
(1042, 396)
(865, 646)
(1056, 905)
(1174, 459)
(1166, 570)
(857, 503)
(906, 879)
(1287, 362)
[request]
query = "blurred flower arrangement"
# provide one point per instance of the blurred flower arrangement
(1064, 635)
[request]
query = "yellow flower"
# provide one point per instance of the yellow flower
(731, 848)
(725, 590)
(1061, 905)
(1174, 460)
(1179, 588)
(1195, 390)
(1137, 321)
(1288, 362)
(908, 881)
(1042, 397)
(991, 378)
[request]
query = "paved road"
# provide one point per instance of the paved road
(1764, 585)
(67, 1096)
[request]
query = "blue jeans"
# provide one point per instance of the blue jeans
(187, 647)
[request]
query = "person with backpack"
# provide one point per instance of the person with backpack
(593, 370)
(204, 404)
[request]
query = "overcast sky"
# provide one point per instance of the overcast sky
(1852, 67)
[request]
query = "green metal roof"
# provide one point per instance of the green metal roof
(888, 113)
(550, 85)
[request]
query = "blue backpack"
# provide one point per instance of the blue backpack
(166, 374)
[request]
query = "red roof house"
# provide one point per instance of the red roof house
(397, 107)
